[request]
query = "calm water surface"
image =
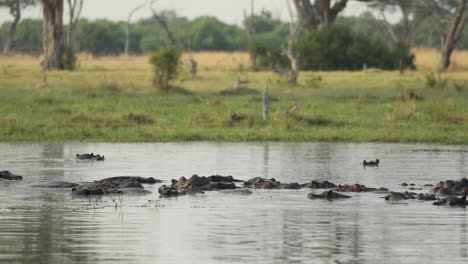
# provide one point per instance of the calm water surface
(268, 226)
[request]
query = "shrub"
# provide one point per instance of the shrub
(339, 48)
(68, 59)
(166, 64)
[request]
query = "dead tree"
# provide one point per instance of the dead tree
(127, 28)
(454, 34)
(74, 12)
(320, 12)
(238, 81)
(15, 7)
(288, 49)
(162, 23)
(52, 27)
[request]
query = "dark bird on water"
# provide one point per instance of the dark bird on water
(371, 163)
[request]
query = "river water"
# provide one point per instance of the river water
(269, 226)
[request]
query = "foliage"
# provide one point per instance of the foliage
(69, 59)
(435, 80)
(269, 36)
(166, 63)
(102, 37)
(339, 48)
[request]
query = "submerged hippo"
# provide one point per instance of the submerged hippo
(360, 188)
(56, 185)
(199, 184)
(115, 185)
(371, 163)
(262, 183)
(427, 197)
(319, 185)
(452, 201)
(89, 156)
(168, 191)
(327, 195)
(8, 176)
(398, 196)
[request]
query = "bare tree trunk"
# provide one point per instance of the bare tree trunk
(74, 9)
(127, 28)
(453, 35)
(294, 31)
(52, 27)
(15, 10)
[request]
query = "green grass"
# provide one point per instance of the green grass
(116, 105)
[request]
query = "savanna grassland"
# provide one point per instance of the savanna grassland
(111, 99)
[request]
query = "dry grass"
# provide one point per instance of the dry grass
(429, 60)
(426, 59)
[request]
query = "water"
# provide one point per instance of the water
(269, 226)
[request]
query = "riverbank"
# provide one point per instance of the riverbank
(116, 103)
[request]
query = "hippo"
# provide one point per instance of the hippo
(452, 201)
(360, 188)
(143, 180)
(319, 185)
(444, 191)
(199, 184)
(398, 196)
(454, 185)
(371, 163)
(253, 181)
(114, 185)
(197, 181)
(8, 176)
(427, 197)
(219, 178)
(327, 195)
(56, 185)
(262, 183)
(89, 156)
(167, 191)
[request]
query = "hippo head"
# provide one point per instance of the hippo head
(356, 188)
(343, 188)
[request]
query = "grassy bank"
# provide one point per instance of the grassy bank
(111, 99)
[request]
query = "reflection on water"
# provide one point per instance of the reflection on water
(276, 226)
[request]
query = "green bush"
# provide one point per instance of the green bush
(68, 59)
(166, 64)
(339, 48)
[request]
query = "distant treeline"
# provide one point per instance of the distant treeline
(104, 37)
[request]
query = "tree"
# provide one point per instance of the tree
(413, 12)
(162, 22)
(454, 34)
(15, 7)
(320, 12)
(166, 64)
(52, 37)
(74, 12)
(127, 28)
(294, 30)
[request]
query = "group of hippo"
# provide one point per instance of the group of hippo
(444, 193)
